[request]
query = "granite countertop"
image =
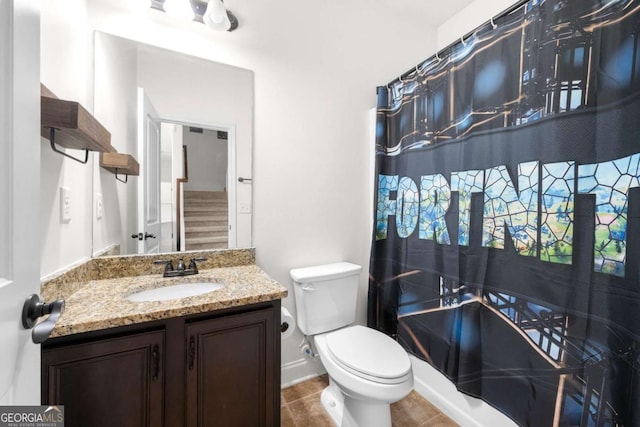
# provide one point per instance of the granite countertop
(101, 304)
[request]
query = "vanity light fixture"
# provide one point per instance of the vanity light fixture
(212, 13)
(180, 9)
(216, 16)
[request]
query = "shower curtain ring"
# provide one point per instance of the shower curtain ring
(437, 57)
(462, 41)
(493, 24)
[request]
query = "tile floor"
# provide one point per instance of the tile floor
(301, 407)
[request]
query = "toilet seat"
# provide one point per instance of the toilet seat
(369, 354)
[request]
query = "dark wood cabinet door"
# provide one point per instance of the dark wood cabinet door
(109, 382)
(231, 375)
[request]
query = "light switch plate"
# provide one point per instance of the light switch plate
(99, 207)
(244, 207)
(65, 205)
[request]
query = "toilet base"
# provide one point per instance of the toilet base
(346, 411)
(333, 402)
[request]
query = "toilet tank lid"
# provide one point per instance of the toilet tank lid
(324, 272)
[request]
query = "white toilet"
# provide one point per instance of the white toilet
(367, 369)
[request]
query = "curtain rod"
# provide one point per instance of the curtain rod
(505, 12)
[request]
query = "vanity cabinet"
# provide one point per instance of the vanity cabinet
(214, 369)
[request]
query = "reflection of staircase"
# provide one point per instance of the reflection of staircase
(205, 220)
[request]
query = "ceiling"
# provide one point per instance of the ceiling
(336, 36)
(431, 12)
(435, 12)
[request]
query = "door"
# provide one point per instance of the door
(20, 195)
(149, 224)
(232, 371)
(109, 382)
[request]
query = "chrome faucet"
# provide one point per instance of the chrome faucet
(181, 269)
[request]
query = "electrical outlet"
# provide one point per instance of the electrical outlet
(99, 207)
(65, 205)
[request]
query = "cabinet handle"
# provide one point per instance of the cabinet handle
(192, 352)
(155, 362)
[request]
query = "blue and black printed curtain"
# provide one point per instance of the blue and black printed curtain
(507, 241)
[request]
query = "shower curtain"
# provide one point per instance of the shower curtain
(507, 201)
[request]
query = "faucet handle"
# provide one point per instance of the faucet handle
(192, 263)
(168, 264)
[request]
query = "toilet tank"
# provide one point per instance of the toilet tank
(326, 296)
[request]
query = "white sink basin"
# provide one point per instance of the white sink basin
(182, 290)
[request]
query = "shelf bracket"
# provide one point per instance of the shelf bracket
(52, 137)
(126, 177)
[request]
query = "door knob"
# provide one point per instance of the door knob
(33, 309)
(144, 236)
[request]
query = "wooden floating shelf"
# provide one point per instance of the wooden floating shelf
(120, 164)
(44, 91)
(74, 126)
(68, 124)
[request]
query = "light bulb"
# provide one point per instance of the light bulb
(180, 9)
(216, 16)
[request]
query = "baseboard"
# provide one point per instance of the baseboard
(300, 370)
(464, 410)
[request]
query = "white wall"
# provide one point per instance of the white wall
(65, 68)
(116, 108)
(471, 17)
(313, 94)
(167, 184)
(207, 160)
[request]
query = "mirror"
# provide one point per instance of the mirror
(196, 106)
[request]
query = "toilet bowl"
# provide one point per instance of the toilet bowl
(367, 372)
(367, 369)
